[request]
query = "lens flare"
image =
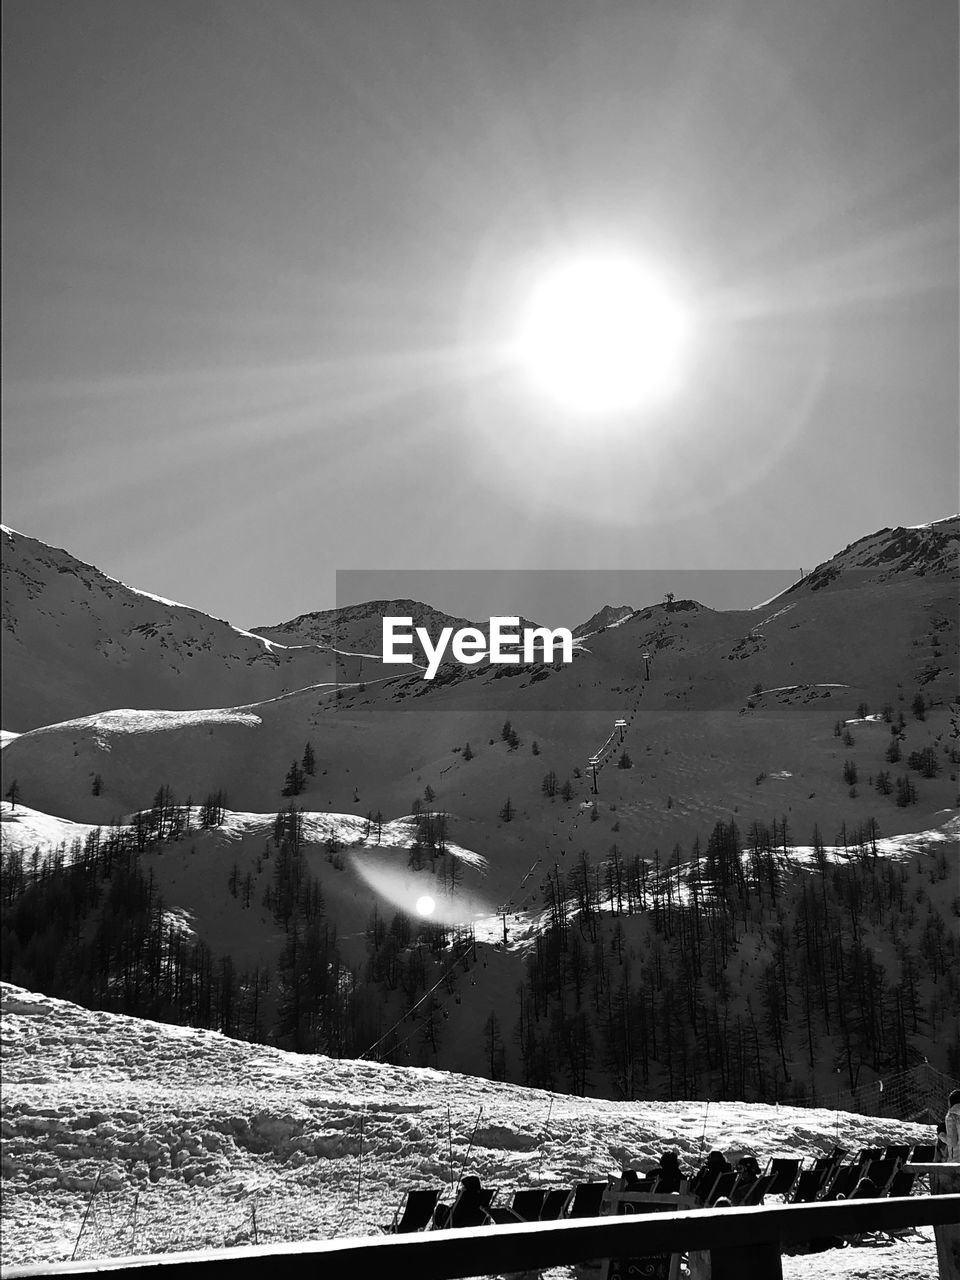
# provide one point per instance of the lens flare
(404, 889)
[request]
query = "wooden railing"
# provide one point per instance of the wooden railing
(744, 1241)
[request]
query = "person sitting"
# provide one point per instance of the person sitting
(866, 1189)
(468, 1208)
(668, 1173)
(715, 1164)
(748, 1171)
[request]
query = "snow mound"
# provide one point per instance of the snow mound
(204, 1132)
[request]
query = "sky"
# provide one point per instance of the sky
(267, 268)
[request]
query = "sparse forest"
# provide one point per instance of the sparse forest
(730, 977)
(705, 973)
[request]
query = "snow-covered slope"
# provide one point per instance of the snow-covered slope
(76, 641)
(191, 1140)
(739, 718)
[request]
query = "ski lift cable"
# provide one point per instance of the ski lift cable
(453, 964)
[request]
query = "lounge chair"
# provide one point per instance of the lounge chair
(722, 1187)
(702, 1183)
(555, 1204)
(880, 1173)
(467, 1210)
(524, 1207)
(808, 1185)
(842, 1183)
(901, 1184)
(867, 1154)
(785, 1172)
(587, 1198)
(417, 1212)
(751, 1193)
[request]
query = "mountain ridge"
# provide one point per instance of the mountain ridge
(74, 650)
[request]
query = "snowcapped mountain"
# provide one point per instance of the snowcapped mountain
(358, 628)
(828, 713)
(732, 696)
(76, 641)
(610, 615)
(928, 549)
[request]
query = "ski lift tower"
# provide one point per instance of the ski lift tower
(592, 762)
(646, 664)
(622, 726)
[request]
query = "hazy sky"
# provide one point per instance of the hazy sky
(264, 261)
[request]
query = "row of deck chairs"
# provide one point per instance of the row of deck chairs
(423, 1211)
(832, 1177)
(877, 1169)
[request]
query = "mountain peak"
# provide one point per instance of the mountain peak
(926, 550)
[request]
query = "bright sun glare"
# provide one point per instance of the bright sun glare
(602, 334)
(425, 906)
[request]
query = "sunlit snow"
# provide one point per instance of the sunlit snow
(195, 1141)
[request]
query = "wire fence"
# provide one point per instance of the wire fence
(918, 1094)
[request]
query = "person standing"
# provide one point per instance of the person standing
(952, 1122)
(948, 1234)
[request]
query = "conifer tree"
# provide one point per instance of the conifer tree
(293, 782)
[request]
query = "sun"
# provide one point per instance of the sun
(602, 334)
(425, 906)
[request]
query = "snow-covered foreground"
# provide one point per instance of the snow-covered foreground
(191, 1140)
